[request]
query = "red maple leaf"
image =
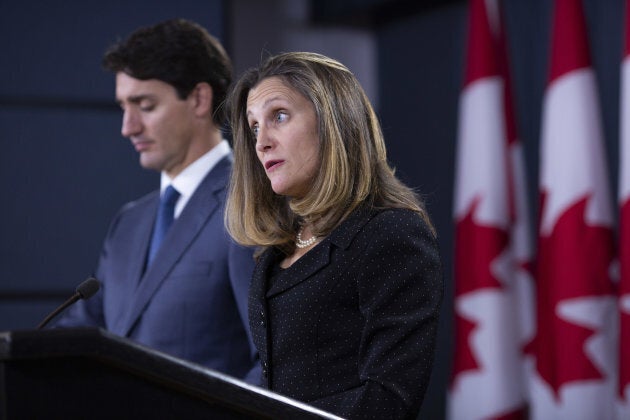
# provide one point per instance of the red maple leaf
(624, 289)
(464, 358)
(573, 262)
(476, 247)
(624, 363)
(518, 413)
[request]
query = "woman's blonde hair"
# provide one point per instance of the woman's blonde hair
(354, 168)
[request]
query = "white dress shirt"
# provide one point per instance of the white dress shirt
(190, 178)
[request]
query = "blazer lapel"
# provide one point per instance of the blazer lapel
(305, 267)
(204, 203)
(258, 284)
(319, 257)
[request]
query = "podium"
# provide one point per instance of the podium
(88, 373)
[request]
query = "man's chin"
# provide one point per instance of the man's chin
(147, 163)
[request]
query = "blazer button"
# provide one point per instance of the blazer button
(264, 369)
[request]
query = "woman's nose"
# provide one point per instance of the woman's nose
(263, 141)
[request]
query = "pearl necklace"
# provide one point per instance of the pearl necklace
(300, 243)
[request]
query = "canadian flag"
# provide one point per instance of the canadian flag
(575, 375)
(624, 228)
(493, 285)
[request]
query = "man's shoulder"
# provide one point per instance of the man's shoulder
(218, 177)
(141, 203)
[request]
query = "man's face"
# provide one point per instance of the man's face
(158, 123)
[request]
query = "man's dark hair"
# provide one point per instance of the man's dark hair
(178, 52)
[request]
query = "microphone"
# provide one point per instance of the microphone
(85, 290)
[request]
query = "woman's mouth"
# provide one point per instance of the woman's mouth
(272, 164)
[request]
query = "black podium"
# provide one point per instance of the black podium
(89, 373)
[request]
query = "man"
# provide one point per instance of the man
(187, 295)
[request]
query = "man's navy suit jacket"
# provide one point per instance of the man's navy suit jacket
(191, 302)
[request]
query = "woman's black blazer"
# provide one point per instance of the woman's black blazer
(350, 327)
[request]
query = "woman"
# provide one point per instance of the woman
(346, 292)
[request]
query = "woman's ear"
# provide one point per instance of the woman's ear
(202, 99)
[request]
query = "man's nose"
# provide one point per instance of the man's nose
(131, 123)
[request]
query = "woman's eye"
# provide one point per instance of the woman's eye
(281, 116)
(254, 129)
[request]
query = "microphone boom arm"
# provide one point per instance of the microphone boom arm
(85, 290)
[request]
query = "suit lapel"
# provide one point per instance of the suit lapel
(141, 246)
(205, 201)
(136, 250)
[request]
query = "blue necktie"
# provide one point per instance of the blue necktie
(164, 220)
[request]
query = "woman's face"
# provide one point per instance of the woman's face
(284, 124)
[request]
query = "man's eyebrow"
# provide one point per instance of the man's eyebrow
(135, 99)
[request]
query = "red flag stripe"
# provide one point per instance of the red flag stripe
(481, 60)
(624, 221)
(569, 29)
